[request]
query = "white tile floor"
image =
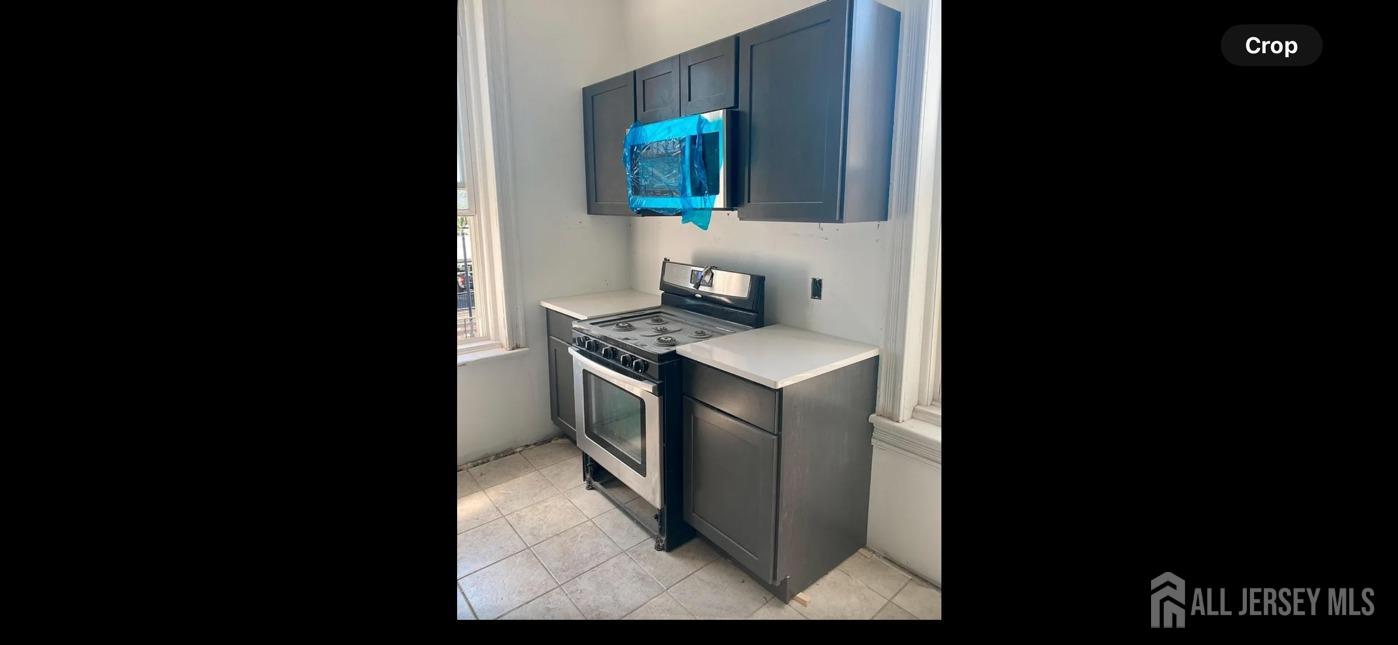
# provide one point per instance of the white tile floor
(533, 543)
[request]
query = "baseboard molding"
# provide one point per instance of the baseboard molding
(501, 455)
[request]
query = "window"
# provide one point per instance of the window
(467, 321)
(482, 290)
(471, 332)
(910, 381)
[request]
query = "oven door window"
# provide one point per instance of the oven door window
(616, 420)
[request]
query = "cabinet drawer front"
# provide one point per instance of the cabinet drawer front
(560, 326)
(741, 398)
(730, 485)
(709, 77)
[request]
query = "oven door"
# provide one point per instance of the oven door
(618, 424)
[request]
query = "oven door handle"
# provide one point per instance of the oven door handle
(605, 373)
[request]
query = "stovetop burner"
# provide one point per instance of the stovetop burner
(658, 331)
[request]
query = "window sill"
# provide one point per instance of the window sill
(914, 437)
(487, 354)
(929, 413)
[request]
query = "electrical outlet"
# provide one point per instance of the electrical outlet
(815, 288)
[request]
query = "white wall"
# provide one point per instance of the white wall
(656, 29)
(905, 510)
(553, 48)
(851, 259)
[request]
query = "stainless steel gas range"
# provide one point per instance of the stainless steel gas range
(627, 390)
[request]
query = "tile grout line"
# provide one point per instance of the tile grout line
(900, 589)
(532, 471)
(705, 566)
(468, 600)
(491, 564)
(527, 547)
(534, 555)
(584, 572)
(663, 588)
(859, 582)
(503, 457)
(534, 468)
(492, 505)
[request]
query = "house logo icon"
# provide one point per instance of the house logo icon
(1167, 601)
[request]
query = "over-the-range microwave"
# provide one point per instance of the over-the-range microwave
(661, 168)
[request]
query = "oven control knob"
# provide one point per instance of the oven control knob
(626, 361)
(591, 345)
(638, 365)
(578, 340)
(609, 353)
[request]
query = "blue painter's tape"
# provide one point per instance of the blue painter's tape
(666, 170)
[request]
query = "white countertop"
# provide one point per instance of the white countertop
(593, 305)
(776, 355)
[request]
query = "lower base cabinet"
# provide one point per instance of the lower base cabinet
(779, 479)
(561, 387)
(560, 336)
(730, 484)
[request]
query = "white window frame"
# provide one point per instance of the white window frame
(929, 407)
(909, 388)
(483, 118)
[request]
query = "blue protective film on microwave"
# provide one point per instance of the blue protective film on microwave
(697, 218)
(666, 170)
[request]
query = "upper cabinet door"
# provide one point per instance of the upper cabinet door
(658, 91)
(609, 108)
(790, 99)
(709, 77)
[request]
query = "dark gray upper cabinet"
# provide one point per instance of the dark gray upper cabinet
(658, 91)
(709, 77)
(815, 123)
(814, 92)
(609, 108)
